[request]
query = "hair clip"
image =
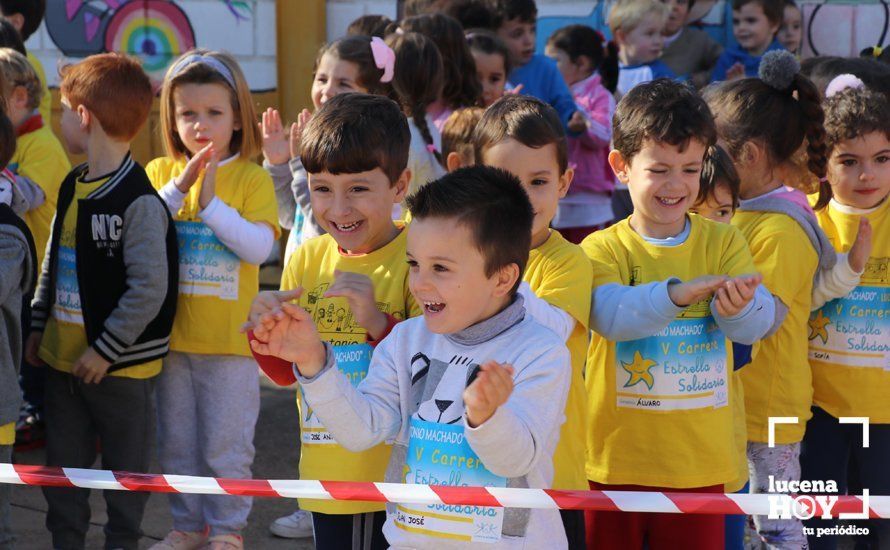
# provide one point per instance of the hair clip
(842, 82)
(203, 59)
(823, 180)
(384, 58)
(431, 148)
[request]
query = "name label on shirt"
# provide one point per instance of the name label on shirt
(353, 361)
(206, 266)
(438, 454)
(682, 367)
(853, 331)
(67, 307)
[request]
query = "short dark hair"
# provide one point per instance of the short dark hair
(663, 111)
(849, 114)
(505, 10)
(354, 133)
(470, 13)
(10, 38)
(489, 43)
(526, 119)
(718, 169)
(369, 25)
(774, 10)
(32, 12)
(492, 204)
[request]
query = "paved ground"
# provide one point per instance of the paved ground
(277, 452)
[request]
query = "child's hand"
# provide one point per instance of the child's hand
(359, 292)
(208, 186)
(861, 249)
(491, 389)
(32, 346)
(276, 147)
(91, 367)
(735, 294)
(193, 168)
(296, 133)
(289, 333)
(735, 72)
(267, 302)
(577, 123)
(696, 290)
(515, 91)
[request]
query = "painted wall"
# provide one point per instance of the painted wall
(839, 27)
(159, 30)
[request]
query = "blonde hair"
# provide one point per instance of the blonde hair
(19, 72)
(457, 133)
(247, 141)
(626, 15)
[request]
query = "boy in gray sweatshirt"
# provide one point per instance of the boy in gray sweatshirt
(472, 393)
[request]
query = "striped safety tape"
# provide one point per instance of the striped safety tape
(616, 501)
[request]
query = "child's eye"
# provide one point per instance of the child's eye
(439, 268)
(849, 162)
(657, 170)
(412, 263)
(881, 159)
(692, 170)
(320, 189)
(723, 213)
(215, 112)
(358, 189)
(539, 181)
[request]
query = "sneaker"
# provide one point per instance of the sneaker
(182, 540)
(295, 526)
(225, 542)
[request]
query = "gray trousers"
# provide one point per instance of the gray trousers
(207, 411)
(783, 463)
(6, 537)
(118, 415)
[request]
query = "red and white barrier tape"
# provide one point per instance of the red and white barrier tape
(617, 501)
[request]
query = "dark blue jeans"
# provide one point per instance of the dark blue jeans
(828, 452)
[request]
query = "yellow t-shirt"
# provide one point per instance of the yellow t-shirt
(850, 337)
(778, 380)
(559, 273)
(215, 286)
(312, 267)
(7, 434)
(65, 338)
(660, 407)
(40, 157)
(46, 101)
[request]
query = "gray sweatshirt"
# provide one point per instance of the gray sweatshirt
(413, 399)
(17, 273)
(292, 191)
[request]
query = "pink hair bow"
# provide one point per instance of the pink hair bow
(384, 58)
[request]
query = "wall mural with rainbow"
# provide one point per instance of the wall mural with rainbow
(157, 31)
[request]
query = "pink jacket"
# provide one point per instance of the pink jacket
(589, 151)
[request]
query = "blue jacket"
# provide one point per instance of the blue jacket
(540, 78)
(736, 54)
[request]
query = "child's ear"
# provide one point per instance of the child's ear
(17, 20)
(401, 185)
(750, 153)
(565, 181)
(452, 162)
(20, 97)
(86, 117)
(619, 36)
(506, 280)
(619, 166)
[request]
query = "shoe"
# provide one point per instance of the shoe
(30, 432)
(225, 542)
(182, 540)
(295, 526)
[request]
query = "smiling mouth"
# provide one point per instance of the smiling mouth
(669, 201)
(433, 307)
(346, 227)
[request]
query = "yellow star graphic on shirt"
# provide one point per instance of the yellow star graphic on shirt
(817, 327)
(639, 371)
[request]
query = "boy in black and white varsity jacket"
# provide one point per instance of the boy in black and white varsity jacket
(105, 300)
(472, 394)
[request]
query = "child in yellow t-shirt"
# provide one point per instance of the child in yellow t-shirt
(106, 299)
(26, 16)
(788, 248)
(849, 338)
(224, 210)
(670, 292)
(524, 135)
(717, 201)
(39, 162)
(353, 281)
